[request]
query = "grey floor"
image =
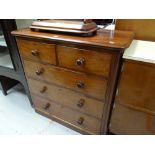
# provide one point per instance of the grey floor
(19, 118)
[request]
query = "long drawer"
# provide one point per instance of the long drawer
(37, 51)
(88, 84)
(84, 60)
(67, 115)
(67, 97)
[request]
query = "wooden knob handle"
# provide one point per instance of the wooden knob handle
(40, 71)
(80, 84)
(80, 121)
(80, 62)
(43, 89)
(81, 103)
(86, 21)
(35, 52)
(47, 106)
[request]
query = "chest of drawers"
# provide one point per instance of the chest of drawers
(72, 79)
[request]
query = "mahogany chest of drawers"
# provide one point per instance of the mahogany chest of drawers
(73, 79)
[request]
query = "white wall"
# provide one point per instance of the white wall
(23, 23)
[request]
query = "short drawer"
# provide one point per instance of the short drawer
(88, 84)
(37, 51)
(67, 97)
(67, 115)
(84, 60)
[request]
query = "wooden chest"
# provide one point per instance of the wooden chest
(72, 79)
(134, 110)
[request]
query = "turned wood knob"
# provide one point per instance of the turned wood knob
(80, 62)
(86, 21)
(35, 52)
(40, 71)
(47, 106)
(80, 84)
(81, 103)
(43, 89)
(80, 121)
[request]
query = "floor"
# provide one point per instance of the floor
(18, 117)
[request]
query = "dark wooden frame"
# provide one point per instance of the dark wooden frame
(10, 77)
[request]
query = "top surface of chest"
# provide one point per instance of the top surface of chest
(103, 38)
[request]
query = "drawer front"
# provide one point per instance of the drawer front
(81, 82)
(128, 121)
(137, 86)
(67, 115)
(41, 105)
(67, 97)
(37, 51)
(84, 60)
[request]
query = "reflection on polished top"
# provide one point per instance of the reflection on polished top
(104, 38)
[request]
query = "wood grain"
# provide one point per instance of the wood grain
(93, 62)
(134, 111)
(93, 86)
(44, 52)
(70, 116)
(144, 29)
(67, 97)
(137, 85)
(128, 121)
(103, 38)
